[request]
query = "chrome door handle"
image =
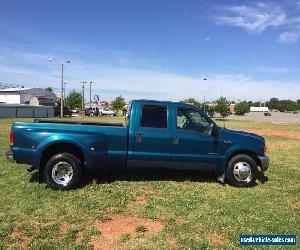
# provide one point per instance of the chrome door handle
(175, 140)
(138, 137)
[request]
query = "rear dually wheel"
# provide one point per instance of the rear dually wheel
(63, 171)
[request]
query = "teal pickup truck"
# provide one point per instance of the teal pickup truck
(158, 134)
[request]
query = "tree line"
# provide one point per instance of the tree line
(221, 105)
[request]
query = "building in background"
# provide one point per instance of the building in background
(259, 109)
(35, 96)
(232, 107)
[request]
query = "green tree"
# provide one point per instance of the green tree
(193, 101)
(74, 100)
(287, 105)
(250, 103)
(273, 103)
(298, 104)
(118, 103)
(256, 104)
(210, 111)
(222, 107)
(283, 105)
(50, 89)
(241, 108)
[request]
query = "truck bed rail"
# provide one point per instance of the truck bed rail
(79, 122)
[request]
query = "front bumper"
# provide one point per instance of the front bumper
(264, 162)
(10, 156)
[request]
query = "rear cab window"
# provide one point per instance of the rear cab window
(154, 116)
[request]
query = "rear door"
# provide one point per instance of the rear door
(152, 136)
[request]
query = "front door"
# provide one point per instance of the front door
(152, 137)
(193, 145)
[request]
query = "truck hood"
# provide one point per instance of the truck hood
(236, 134)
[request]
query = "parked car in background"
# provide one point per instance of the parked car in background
(66, 111)
(75, 110)
(106, 111)
(91, 111)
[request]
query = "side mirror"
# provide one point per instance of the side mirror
(213, 130)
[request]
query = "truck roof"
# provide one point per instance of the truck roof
(160, 102)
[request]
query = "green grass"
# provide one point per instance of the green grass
(196, 212)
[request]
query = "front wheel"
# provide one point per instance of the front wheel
(241, 171)
(63, 171)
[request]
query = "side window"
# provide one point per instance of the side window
(154, 116)
(191, 119)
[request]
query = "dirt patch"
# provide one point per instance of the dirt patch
(103, 244)
(64, 228)
(171, 241)
(280, 145)
(15, 235)
(79, 236)
(117, 226)
(275, 133)
(121, 224)
(23, 239)
(216, 239)
(294, 203)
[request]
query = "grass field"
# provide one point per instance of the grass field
(152, 210)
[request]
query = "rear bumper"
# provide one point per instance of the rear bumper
(264, 162)
(10, 156)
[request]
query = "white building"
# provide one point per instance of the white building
(23, 96)
(259, 109)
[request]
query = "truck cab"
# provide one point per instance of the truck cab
(172, 135)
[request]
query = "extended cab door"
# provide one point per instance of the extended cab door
(151, 138)
(193, 144)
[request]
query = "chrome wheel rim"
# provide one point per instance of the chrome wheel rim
(242, 171)
(62, 173)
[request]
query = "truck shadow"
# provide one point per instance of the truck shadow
(158, 175)
(154, 175)
(107, 177)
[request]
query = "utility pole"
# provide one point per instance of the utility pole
(91, 97)
(83, 95)
(65, 93)
(62, 86)
(204, 79)
(62, 92)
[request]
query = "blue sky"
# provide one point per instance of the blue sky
(155, 49)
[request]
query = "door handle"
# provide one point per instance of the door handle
(138, 137)
(175, 140)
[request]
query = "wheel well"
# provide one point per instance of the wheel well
(246, 152)
(60, 148)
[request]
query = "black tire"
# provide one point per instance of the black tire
(233, 166)
(68, 181)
